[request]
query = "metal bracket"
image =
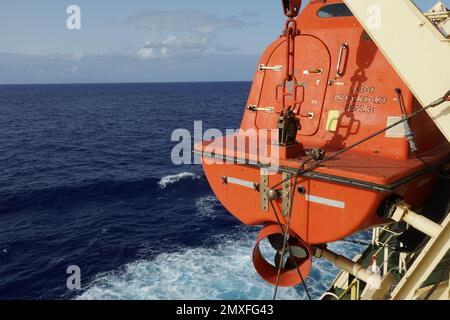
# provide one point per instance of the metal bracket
(288, 126)
(313, 71)
(286, 195)
(254, 108)
(263, 189)
(277, 68)
(309, 115)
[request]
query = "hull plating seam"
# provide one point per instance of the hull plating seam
(331, 178)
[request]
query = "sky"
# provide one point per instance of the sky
(137, 40)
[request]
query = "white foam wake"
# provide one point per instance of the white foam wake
(220, 273)
(224, 272)
(171, 179)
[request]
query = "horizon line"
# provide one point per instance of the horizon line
(108, 83)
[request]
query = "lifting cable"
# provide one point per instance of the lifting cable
(285, 237)
(290, 33)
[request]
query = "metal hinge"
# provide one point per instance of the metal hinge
(254, 108)
(263, 189)
(286, 195)
(277, 68)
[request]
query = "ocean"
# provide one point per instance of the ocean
(86, 179)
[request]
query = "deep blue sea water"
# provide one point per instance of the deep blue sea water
(86, 179)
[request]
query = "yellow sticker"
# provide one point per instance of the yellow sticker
(332, 120)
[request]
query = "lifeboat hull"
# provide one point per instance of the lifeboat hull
(322, 212)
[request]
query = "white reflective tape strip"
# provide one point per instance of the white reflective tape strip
(325, 201)
(240, 182)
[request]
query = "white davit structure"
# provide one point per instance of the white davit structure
(416, 47)
(439, 15)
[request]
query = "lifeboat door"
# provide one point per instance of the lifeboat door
(311, 69)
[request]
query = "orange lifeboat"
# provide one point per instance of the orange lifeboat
(322, 98)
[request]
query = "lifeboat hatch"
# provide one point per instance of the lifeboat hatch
(306, 92)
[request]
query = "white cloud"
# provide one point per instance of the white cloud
(190, 20)
(174, 46)
(192, 33)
